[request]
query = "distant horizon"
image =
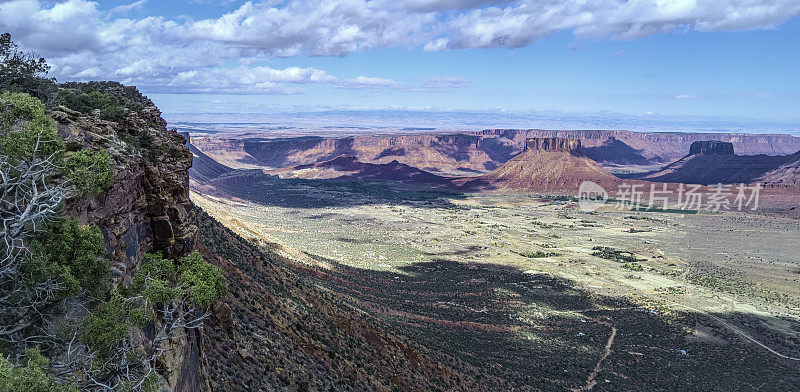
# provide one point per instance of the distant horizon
(471, 120)
(628, 60)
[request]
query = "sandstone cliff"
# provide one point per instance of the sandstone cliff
(553, 144)
(711, 147)
(468, 153)
(146, 207)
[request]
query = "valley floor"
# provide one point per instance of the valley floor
(520, 286)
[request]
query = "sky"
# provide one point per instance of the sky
(732, 60)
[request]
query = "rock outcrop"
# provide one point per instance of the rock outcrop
(553, 144)
(145, 209)
(711, 147)
(545, 165)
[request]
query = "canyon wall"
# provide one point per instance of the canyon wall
(145, 209)
(468, 153)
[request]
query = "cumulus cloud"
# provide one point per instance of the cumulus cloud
(524, 22)
(84, 41)
(125, 8)
(246, 80)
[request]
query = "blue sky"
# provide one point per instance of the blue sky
(692, 58)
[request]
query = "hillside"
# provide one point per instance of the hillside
(279, 330)
(787, 174)
(713, 162)
(203, 167)
(348, 168)
(545, 165)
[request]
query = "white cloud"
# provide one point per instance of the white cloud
(83, 41)
(246, 80)
(444, 83)
(125, 8)
(368, 82)
(524, 22)
(436, 45)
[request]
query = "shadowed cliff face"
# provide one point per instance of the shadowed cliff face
(714, 162)
(615, 151)
(711, 147)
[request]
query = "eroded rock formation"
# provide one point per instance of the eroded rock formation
(713, 162)
(553, 144)
(468, 153)
(545, 165)
(145, 209)
(711, 147)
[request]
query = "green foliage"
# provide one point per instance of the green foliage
(161, 280)
(619, 256)
(203, 280)
(24, 72)
(72, 254)
(155, 278)
(632, 266)
(89, 171)
(144, 139)
(110, 323)
(23, 122)
(110, 100)
(158, 281)
(538, 254)
(30, 377)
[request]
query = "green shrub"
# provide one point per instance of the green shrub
(72, 254)
(30, 377)
(617, 255)
(110, 100)
(23, 122)
(538, 254)
(158, 281)
(89, 171)
(144, 138)
(154, 279)
(203, 280)
(109, 324)
(632, 266)
(161, 280)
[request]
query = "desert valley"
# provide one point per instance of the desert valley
(475, 246)
(399, 196)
